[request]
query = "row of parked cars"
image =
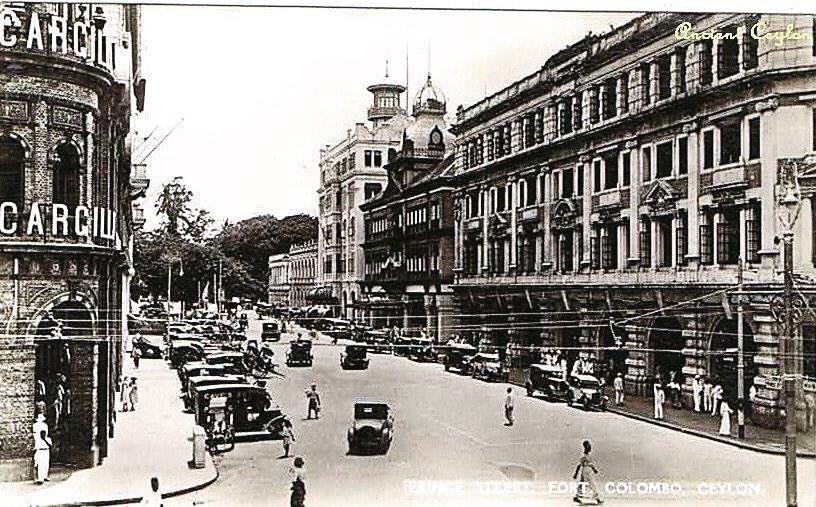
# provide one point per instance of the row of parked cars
(221, 388)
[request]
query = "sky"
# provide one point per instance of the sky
(262, 89)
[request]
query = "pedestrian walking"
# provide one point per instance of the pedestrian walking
(697, 391)
(708, 387)
(659, 400)
(136, 356)
(508, 407)
(297, 473)
(752, 394)
(314, 402)
(153, 497)
(618, 384)
(716, 397)
(42, 455)
(288, 437)
(124, 394)
(133, 394)
(725, 418)
(587, 490)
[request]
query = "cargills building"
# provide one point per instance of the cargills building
(609, 199)
(69, 85)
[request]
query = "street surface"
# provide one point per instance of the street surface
(450, 437)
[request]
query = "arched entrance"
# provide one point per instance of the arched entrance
(58, 338)
(722, 355)
(666, 342)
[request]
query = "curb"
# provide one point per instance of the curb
(709, 436)
(137, 499)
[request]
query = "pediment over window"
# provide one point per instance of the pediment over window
(661, 195)
(564, 213)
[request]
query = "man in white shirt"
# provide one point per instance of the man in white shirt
(508, 407)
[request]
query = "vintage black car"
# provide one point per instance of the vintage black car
(373, 427)
(402, 346)
(299, 353)
(588, 391)
(458, 356)
(149, 346)
(422, 349)
(378, 340)
(338, 329)
(549, 380)
(197, 369)
(271, 330)
(233, 361)
(254, 414)
(197, 381)
(184, 351)
(488, 367)
(354, 356)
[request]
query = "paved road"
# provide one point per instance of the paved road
(450, 434)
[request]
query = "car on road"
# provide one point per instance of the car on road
(488, 367)
(549, 380)
(184, 351)
(254, 412)
(233, 362)
(198, 381)
(378, 340)
(458, 356)
(197, 369)
(354, 356)
(149, 346)
(588, 391)
(373, 427)
(271, 330)
(299, 353)
(338, 329)
(422, 349)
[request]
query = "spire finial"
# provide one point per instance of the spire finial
(386, 68)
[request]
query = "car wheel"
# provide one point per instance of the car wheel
(529, 392)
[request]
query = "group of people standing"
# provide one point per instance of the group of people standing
(129, 394)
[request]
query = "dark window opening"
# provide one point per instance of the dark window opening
(682, 237)
(580, 185)
(682, 155)
(66, 176)
(609, 247)
(500, 201)
(367, 158)
(753, 232)
(706, 238)
(645, 79)
(567, 179)
(665, 242)
(708, 149)
(610, 105)
(11, 171)
(809, 346)
(624, 93)
(645, 242)
(664, 159)
(750, 46)
(565, 251)
(728, 54)
(753, 139)
(728, 237)
(577, 113)
(611, 172)
(530, 186)
(594, 105)
(371, 189)
(730, 143)
(664, 77)
(646, 167)
(594, 250)
(377, 158)
(566, 118)
(706, 63)
(596, 176)
(680, 68)
(626, 170)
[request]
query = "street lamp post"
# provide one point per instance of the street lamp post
(170, 263)
(790, 204)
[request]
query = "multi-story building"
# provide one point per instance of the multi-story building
(607, 200)
(278, 289)
(302, 272)
(69, 84)
(351, 172)
(409, 228)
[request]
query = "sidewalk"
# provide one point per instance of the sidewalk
(703, 425)
(149, 442)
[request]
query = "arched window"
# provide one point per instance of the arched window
(11, 171)
(66, 176)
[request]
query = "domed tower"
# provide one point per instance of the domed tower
(430, 100)
(386, 103)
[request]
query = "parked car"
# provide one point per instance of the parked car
(299, 353)
(354, 356)
(548, 380)
(149, 346)
(271, 330)
(458, 356)
(254, 413)
(183, 351)
(233, 361)
(422, 349)
(378, 340)
(373, 427)
(338, 329)
(488, 367)
(197, 369)
(588, 391)
(197, 381)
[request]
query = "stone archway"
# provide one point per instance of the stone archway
(666, 344)
(722, 355)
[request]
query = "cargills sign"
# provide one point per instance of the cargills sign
(55, 220)
(55, 34)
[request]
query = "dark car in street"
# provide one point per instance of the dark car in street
(337, 329)
(234, 362)
(488, 367)
(587, 391)
(549, 380)
(299, 353)
(378, 340)
(150, 347)
(422, 349)
(253, 411)
(354, 356)
(373, 427)
(458, 356)
(270, 330)
(198, 381)
(184, 351)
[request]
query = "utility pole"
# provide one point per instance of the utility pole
(169, 282)
(740, 357)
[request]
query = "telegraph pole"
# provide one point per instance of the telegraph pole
(788, 378)
(740, 357)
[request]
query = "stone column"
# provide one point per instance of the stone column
(513, 253)
(653, 241)
(803, 255)
(485, 217)
(634, 201)
(587, 208)
(715, 244)
(693, 229)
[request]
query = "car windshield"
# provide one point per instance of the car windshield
(370, 411)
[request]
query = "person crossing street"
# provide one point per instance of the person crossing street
(314, 402)
(508, 407)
